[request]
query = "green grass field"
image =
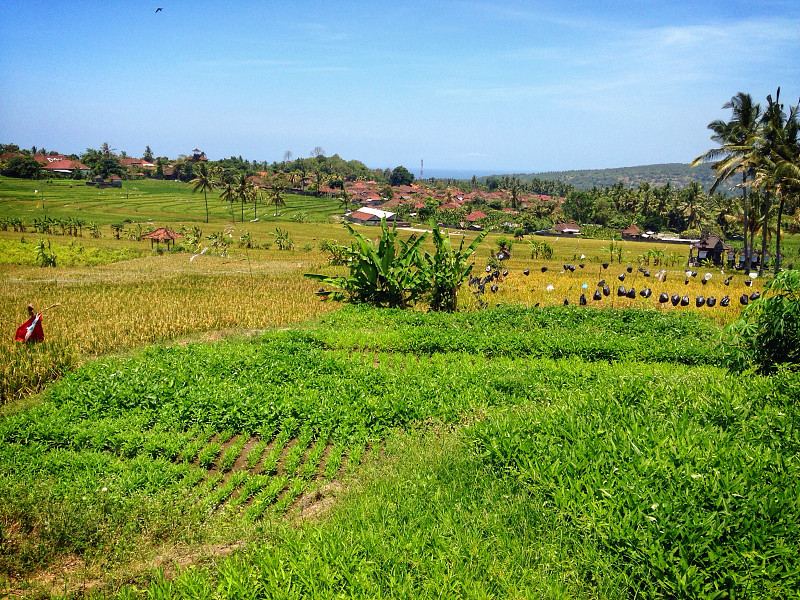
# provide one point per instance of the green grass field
(202, 426)
(170, 202)
(598, 456)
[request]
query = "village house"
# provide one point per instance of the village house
(60, 164)
(569, 228)
(473, 218)
(369, 216)
(136, 163)
(197, 156)
(632, 232)
(99, 181)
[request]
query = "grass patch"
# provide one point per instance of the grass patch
(579, 475)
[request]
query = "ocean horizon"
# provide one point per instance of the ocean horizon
(454, 173)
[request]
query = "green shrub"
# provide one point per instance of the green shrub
(767, 333)
(387, 275)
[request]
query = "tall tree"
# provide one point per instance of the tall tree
(734, 155)
(276, 197)
(514, 189)
(243, 191)
(777, 146)
(401, 176)
(203, 183)
(692, 207)
(320, 179)
(346, 197)
(229, 195)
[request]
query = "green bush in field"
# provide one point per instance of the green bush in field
(386, 275)
(447, 269)
(767, 333)
(397, 277)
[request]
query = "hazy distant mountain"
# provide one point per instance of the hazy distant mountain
(676, 174)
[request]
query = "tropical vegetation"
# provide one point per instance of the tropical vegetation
(482, 419)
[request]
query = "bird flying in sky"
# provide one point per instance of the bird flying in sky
(159, 9)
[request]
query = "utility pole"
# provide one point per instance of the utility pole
(420, 169)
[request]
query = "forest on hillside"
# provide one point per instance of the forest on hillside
(678, 175)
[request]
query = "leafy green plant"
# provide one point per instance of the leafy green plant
(504, 246)
(43, 254)
(614, 249)
(767, 333)
(337, 253)
(282, 239)
(448, 268)
(390, 274)
(218, 242)
(246, 240)
(541, 250)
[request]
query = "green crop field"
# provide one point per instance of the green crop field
(144, 200)
(198, 424)
(555, 452)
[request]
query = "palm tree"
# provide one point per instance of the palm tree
(243, 191)
(229, 195)
(692, 207)
(320, 179)
(514, 188)
(304, 178)
(346, 197)
(255, 195)
(732, 156)
(725, 211)
(203, 183)
(276, 197)
(786, 170)
(776, 155)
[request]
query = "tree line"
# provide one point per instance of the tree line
(759, 152)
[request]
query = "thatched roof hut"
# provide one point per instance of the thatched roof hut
(162, 234)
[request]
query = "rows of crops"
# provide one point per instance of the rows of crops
(94, 486)
(619, 457)
(142, 200)
(631, 481)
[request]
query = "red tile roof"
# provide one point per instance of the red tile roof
(65, 165)
(46, 160)
(363, 216)
(475, 216)
(632, 230)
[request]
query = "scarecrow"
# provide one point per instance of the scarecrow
(31, 330)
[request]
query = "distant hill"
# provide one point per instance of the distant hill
(677, 174)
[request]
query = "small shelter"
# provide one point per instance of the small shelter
(632, 232)
(162, 234)
(710, 247)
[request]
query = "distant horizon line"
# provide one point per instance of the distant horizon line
(436, 171)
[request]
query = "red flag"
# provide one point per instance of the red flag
(31, 330)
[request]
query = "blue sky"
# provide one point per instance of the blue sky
(472, 85)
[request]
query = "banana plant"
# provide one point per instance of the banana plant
(448, 268)
(391, 274)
